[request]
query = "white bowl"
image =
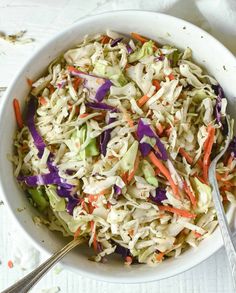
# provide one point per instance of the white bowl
(165, 29)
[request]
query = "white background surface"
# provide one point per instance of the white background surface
(43, 19)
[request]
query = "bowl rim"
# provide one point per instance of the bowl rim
(192, 262)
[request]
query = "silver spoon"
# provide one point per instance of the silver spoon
(227, 236)
(26, 283)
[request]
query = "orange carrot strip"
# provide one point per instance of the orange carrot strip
(132, 173)
(156, 83)
(76, 83)
(19, 119)
(165, 172)
(139, 38)
(201, 179)
(230, 160)
(207, 151)
(128, 260)
(180, 212)
(159, 256)
(30, 82)
(42, 100)
(95, 244)
(51, 88)
(184, 154)
(10, 264)
(71, 68)
(197, 235)
(159, 128)
(171, 76)
(143, 100)
(124, 177)
(83, 115)
(77, 232)
(190, 194)
(105, 40)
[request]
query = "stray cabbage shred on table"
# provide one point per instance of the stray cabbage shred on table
(116, 144)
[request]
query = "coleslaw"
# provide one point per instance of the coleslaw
(116, 144)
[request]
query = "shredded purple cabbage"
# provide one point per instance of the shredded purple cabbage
(160, 58)
(145, 148)
(100, 106)
(100, 85)
(44, 179)
(63, 189)
(38, 141)
(232, 146)
(129, 49)
(103, 90)
(160, 195)
(105, 137)
(122, 250)
(220, 95)
(117, 191)
(116, 41)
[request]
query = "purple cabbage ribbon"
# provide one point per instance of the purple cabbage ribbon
(99, 84)
(64, 189)
(160, 195)
(145, 148)
(100, 106)
(105, 137)
(116, 41)
(220, 95)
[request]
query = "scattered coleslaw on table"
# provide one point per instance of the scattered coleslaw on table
(116, 144)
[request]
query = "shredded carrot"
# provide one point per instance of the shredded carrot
(184, 154)
(207, 151)
(143, 100)
(51, 88)
(77, 232)
(10, 264)
(159, 256)
(157, 171)
(105, 40)
(139, 38)
(109, 205)
(19, 119)
(201, 179)
(165, 172)
(168, 131)
(171, 76)
(128, 119)
(71, 68)
(197, 235)
(100, 117)
(128, 260)
(200, 163)
(230, 160)
(30, 82)
(131, 232)
(156, 83)
(83, 115)
(190, 194)
(124, 177)
(84, 206)
(180, 212)
(76, 83)
(95, 244)
(132, 173)
(42, 100)
(127, 66)
(159, 128)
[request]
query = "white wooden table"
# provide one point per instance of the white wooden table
(42, 19)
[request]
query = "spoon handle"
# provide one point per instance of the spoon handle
(26, 283)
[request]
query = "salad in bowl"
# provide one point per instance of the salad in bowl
(115, 146)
